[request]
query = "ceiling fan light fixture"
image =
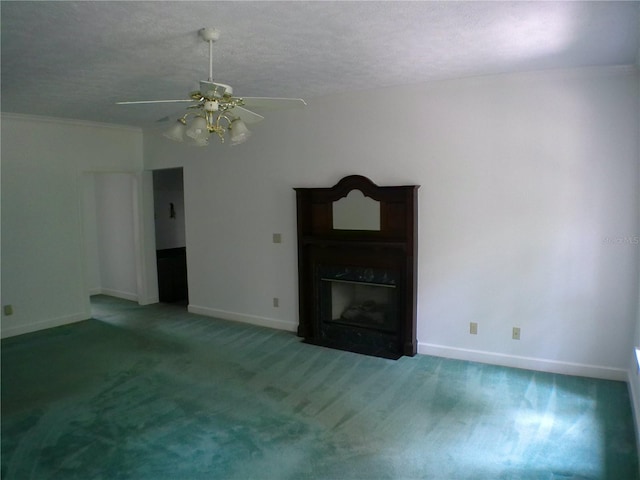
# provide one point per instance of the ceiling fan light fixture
(239, 133)
(176, 132)
(214, 109)
(199, 142)
(198, 129)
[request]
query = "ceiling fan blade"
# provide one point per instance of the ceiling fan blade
(273, 103)
(247, 116)
(152, 101)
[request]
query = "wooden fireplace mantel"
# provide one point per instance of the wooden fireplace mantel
(392, 249)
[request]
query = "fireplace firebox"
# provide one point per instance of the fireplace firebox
(357, 246)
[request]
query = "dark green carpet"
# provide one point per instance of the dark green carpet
(157, 393)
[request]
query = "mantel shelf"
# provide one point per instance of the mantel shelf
(353, 242)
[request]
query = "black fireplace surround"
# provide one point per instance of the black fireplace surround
(357, 288)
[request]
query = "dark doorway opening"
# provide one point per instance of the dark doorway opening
(171, 249)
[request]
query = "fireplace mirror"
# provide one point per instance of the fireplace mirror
(356, 212)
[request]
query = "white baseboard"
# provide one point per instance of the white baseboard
(42, 325)
(529, 363)
(148, 301)
(124, 295)
(241, 317)
(119, 294)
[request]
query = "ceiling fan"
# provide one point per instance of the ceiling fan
(216, 110)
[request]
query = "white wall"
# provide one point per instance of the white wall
(634, 378)
(114, 231)
(634, 367)
(90, 232)
(116, 239)
(44, 276)
(523, 179)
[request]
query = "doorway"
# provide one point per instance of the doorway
(111, 250)
(171, 248)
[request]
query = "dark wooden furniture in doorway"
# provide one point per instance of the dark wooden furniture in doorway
(357, 269)
(172, 275)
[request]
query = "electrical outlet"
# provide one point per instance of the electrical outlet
(8, 310)
(473, 328)
(516, 333)
(276, 302)
(277, 238)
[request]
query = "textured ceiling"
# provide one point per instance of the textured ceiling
(76, 59)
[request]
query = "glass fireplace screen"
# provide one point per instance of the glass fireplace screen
(361, 304)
